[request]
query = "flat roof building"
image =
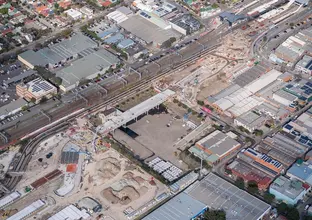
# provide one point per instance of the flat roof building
(12, 108)
(37, 89)
(28, 211)
(9, 199)
(288, 191)
(19, 77)
(284, 98)
(216, 146)
(302, 172)
(56, 54)
(146, 31)
(70, 212)
(218, 193)
(73, 14)
(250, 121)
(305, 65)
(182, 207)
(185, 24)
(87, 67)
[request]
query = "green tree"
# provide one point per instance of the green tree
(281, 208)
(4, 11)
(240, 183)
(227, 171)
(252, 187)
(265, 38)
(200, 102)
(215, 5)
(214, 215)
(56, 5)
(268, 197)
(25, 108)
(258, 132)
(292, 214)
(291, 24)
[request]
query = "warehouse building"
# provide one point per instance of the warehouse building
(250, 121)
(215, 146)
(12, 108)
(146, 31)
(300, 88)
(302, 172)
(288, 191)
(182, 207)
(284, 98)
(185, 24)
(9, 199)
(125, 44)
(305, 65)
(263, 160)
(28, 211)
(55, 55)
(37, 89)
(19, 78)
(218, 194)
(87, 67)
(70, 212)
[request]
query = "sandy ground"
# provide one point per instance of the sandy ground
(106, 171)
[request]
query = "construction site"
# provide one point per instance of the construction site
(69, 167)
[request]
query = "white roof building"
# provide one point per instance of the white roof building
(9, 199)
(86, 11)
(263, 81)
(70, 212)
(29, 210)
(74, 14)
(117, 16)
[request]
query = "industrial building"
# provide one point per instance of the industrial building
(146, 31)
(57, 54)
(37, 89)
(125, 44)
(9, 199)
(250, 121)
(215, 146)
(19, 78)
(217, 194)
(302, 126)
(182, 207)
(300, 88)
(12, 108)
(231, 18)
(70, 212)
(87, 67)
(293, 48)
(28, 211)
(305, 65)
(301, 171)
(286, 145)
(242, 169)
(185, 24)
(237, 100)
(288, 191)
(284, 98)
(264, 161)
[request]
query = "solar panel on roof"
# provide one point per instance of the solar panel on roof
(309, 84)
(289, 86)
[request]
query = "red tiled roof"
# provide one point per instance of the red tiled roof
(6, 32)
(106, 3)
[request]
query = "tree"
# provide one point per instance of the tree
(281, 208)
(240, 183)
(265, 38)
(43, 99)
(252, 187)
(33, 100)
(258, 132)
(215, 5)
(57, 80)
(25, 108)
(214, 215)
(227, 171)
(4, 11)
(291, 24)
(200, 102)
(268, 197)
(292, 214)
(56, 5)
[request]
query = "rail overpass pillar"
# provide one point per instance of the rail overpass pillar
(4, 137)
(131, 69)
(45, 114)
